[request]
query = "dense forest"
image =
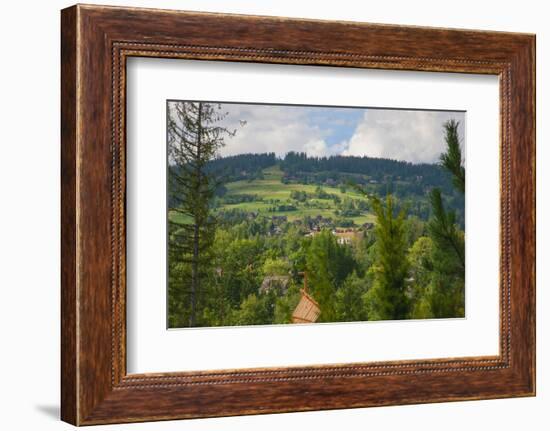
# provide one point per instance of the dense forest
(376, 239)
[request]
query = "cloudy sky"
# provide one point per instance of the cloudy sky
(414, 136)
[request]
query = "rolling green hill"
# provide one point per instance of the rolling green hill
(261, 185)
(271, 192)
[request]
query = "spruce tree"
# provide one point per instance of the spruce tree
(387, 299)
(194, 139)
(328, 264)
(452, 158)
(446, 290)
(445, 234)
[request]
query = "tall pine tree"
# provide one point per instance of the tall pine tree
(328, 264)
(194, 139)
(387, 299)
(452, 158)
(446, 291)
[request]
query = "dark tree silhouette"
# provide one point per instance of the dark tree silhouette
(387, 300)
(452, 158)
(444, 230)
(194, 139)
(448, 258)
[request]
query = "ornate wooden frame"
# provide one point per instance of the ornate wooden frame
(95, 42)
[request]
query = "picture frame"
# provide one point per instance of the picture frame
(96, 42)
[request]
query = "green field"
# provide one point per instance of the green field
(271, 191)
(271, 187)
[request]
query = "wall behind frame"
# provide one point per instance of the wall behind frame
(29, 216)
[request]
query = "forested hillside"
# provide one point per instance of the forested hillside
(409, 183)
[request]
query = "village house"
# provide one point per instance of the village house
(279, 283)
(320, 222)
(277, 219)
(346, 236)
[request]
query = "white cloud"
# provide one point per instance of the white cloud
(316, 147)
(277, 129)
(415, 136)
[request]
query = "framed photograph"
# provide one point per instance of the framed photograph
(265, 215)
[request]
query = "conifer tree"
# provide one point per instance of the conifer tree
(445, 234)
(328, 264)
(387, 299)
(446, 292)
(452, 158)
(194, 139)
